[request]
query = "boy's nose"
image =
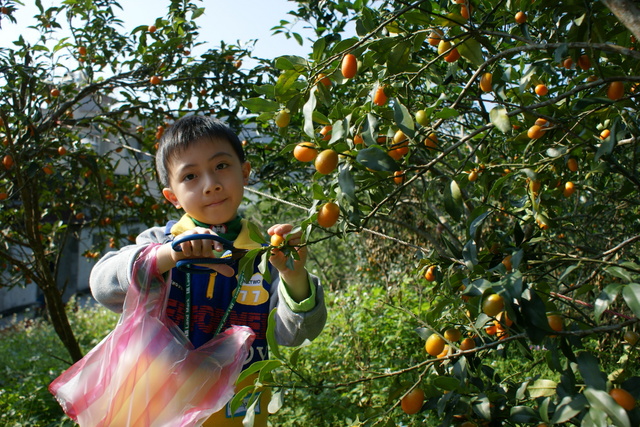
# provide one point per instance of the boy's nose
(212, 185)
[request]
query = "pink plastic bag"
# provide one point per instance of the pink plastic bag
(146, 372)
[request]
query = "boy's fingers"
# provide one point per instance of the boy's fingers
(294, 241)
(186, 249)
(280, 229)
(224, 269)
(203, 248)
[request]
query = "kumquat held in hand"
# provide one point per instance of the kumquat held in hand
(277, 240)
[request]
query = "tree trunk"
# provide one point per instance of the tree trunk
(60, 321)
(627, 12)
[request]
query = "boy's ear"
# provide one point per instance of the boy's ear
(246, 171)
(171, 197)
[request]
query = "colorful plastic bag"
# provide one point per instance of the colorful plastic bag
(145, 372)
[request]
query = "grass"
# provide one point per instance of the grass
(352, 374)
(31, 356)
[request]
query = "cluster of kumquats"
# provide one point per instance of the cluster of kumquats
(454, 341)
(326, 160)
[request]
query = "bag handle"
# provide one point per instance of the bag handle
(148, 288)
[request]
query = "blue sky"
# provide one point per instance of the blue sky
(228, 20)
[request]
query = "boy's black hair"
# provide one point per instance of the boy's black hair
(188, 130)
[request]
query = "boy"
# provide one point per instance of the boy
(201, 164)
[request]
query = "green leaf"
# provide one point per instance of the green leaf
(453, 200)
(307, 112)
(556, 151)
(238, 399)
(497, 186)
(255, 233)
(420, 17)
(276, 401)
(271, 335)
(337, 132)
(583, 103)
(266, 373)
(318, 49)
(290, 62)
(534, 311)
(470, 254)
(594, 417)
(482, 406)
(318, 117)
(403, 119)
(542, 388)
(345, 44)
(606, 297)
(398, 57)
(264, 266)
(543, 409)
(560, 53)
(471, 50)
(500, 119)
(376, 159)
(369, 128)
(523, 414)
(258, 366)
(260, 105)
(198, 12)
(295, 355)
(590, 371)
(476, 223)
(290, 261)
(452, 19)
(446, 383)
(447, 113)
(285, 85)
(607, 145)
(569, 407)
(246, 264)
(347, 183)
(600, 400)
(566, 272)
(631, 294)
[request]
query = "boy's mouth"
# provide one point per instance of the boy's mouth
(215, 203)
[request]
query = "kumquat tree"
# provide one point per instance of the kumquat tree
(494, 144)
(81, 111)
(466, 173)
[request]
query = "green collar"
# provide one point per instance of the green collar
(229, 230)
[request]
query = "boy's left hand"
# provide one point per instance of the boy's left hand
(278, 258)
(297, 278)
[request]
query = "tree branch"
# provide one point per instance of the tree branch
(627, 13)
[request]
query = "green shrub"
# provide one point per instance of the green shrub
(31, 356)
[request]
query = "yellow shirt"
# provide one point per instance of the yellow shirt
(223, 417)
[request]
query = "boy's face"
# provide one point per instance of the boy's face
(207, 180)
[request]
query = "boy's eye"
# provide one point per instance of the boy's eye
(189, 177)
(222, 166)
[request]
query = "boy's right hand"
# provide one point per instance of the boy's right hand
(193, 249)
